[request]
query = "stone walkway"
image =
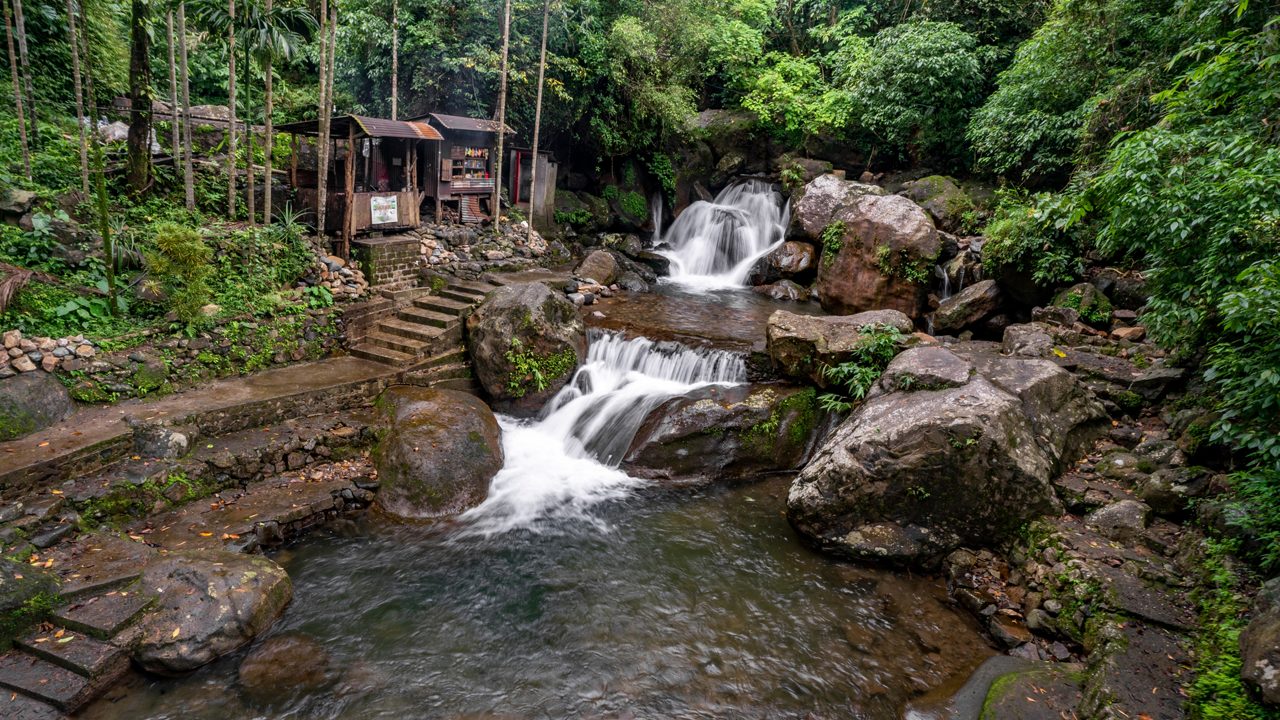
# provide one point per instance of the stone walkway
(95, 436)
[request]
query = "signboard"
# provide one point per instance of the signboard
(383, 210)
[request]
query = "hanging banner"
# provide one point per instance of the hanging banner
(383, 210)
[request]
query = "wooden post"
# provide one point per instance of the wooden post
(293, 162)
(348, 216)
(437, 180)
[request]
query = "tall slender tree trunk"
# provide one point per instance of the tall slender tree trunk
(502, 114)
(395, 58)
(21, 27)
(73, 44)
(188, 162)
(250, 191)
(537, 120)
(100, 171)
(268, 105)
(322, 143)
(138, 164)
(231, 103)
(175, 126)
(18, 104)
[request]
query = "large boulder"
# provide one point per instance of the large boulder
(285, 665)
(436, 460)
(599, 266)
(210, 603)
(878, 251)
(802, 345)
(525, 342)
(1260, 644)
(30, 402)
(967, 307)
(914, 473)
(790, 260)
(942, 198)
(726, 433)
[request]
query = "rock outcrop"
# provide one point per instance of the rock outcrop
(1260, 644)
(525, 342)
(210, 602)
(967, 307)
(726, 433)
(913, 474)
(599, 266)
(442, 449)
(32, 401)
(878, 251)
(791, 260)
(942, 198)
(802, 345)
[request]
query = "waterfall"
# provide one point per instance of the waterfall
(655, 212)
(714, 244)
(567, 459)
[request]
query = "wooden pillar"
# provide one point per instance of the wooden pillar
(348, 215)
(438, 182)
(408, 164)
(293, 162)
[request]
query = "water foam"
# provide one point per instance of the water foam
(713, 245)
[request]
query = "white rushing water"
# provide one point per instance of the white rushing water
(567, 460)
(713, 245)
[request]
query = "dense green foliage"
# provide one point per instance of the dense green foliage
(852, 379)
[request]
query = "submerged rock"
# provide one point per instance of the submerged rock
(284, 665)
(32, 401)
(525, 342)
(911, 476)
(783, 290)
(210, 603)
(441, 451)
(802, 345)
(726, 433)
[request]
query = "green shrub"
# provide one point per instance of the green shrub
(877, 345)
(832, 240)
(1035, 235)
(180, 262)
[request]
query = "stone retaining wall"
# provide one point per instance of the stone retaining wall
(387, 260)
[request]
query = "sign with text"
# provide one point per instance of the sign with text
(383, 210)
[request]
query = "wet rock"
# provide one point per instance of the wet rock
(942, 198)
(783, 290)
(209, 603)
(441, 451)
(600, 266)
(525, 342)
(882, 258)
(802, 345)
(154, 440)
(926, 368)
(660, 264)
(790, 260)
(628, 244)
(909, 477)
(1127, 289)
(719, 433)
(631, 282)
(1170, 490)
(1123, 520)
(967, 307)
(1260, 644)
(1135, 670)
(31, 402)
(1008, 631)
(20, 585)
(1055, 691)
(1030, 340)
(285, 665)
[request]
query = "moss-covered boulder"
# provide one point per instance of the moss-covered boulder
(803, 346)
(437, 457)
(27, 594)
(30, 402)
(727, 433)
(525, 342)
(211, 602)
(1094, 307)
(945, 201)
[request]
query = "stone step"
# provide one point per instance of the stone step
(77, 652)
(376, 353)
(21, 707)
(460, 294)
(396, 342)
(104, 616)
(42, 680)
(409, 329)
(442, 305)
(401, 294)
(479, 289)
(448, 357)
(466, 385)
(423, 316)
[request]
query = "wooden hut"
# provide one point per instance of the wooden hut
(461, 173)
(375, 176)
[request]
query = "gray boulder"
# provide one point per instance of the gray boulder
(600, 266)
(942, 198)
(822, 198)
(783, 290)
(802, 345)
(910, 476)
(1029, 340)
(210, 603)
(1260, 644)
(1121, 521)
(525, 342)
(719, 433)
(284, 665)
(442, 449)
(967, 307)
(789, 260)
(926, 368)
(30, 402)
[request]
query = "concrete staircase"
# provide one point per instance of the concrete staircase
(426, 325)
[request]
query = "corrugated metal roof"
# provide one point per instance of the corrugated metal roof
(468, 124)
(369, 126)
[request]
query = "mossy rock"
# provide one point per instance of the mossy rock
(1089, 301)
(30, 402)
(27, 595)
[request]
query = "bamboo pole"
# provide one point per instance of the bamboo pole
(73, 44)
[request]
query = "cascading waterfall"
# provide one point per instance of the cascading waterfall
(655, 212)
(567, 460)
(714, 244)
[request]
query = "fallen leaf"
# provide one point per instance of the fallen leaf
(67, 639)
(44, 444)
(60, 633)
(176, 632)
(206, 534)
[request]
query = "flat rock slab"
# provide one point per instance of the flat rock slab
(215, 524)
(1047, 692)
(77, 652)
(98, 562)
(43, 680)
(104, 616)
(21, 707)
(1140, 675)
